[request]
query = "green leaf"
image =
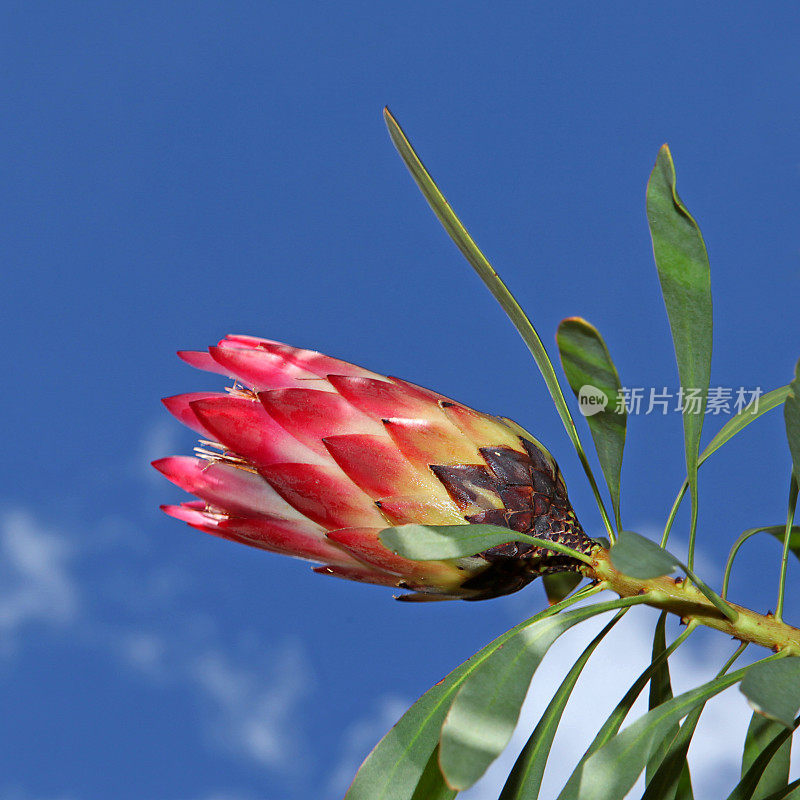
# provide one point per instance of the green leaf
(751, 412)
(790, 792)
(559, 585)
(684, 273)
(432, 785)
(791, 415)
(660, 692)
(672, 778)
(615, 719)
(525, 779)
(478, 261)
(778, 532)
(773, 689)
(486, 708)
(641, 558)
(612, 770)
(775, 773)
(591, 374)
(396, 764)
(435, 542)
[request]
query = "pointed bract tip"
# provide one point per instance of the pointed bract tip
(160, 464)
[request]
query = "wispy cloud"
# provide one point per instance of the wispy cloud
(17, 793)
(255, 706)
(360, 737)
(162, 437)
(249, 693)
(36, 586)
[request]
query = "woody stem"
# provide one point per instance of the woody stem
(686, 601)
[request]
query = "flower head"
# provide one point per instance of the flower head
(312, 457)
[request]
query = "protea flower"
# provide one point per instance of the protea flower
(312, 457)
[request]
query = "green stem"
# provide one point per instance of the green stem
(729, 663)
(673, 512)
(726, 608)
(786, 536)
(689, 603)
(729, 564)
(693, 522)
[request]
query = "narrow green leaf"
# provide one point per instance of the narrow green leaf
(791, 415)
(396, 764)
(684, 273)
(775, 775)
(751, 412)
(435, 542)
(778, 531)
(615, 719)
(593, 378)
(478, 261)
(486, 708)
(432, 785)
(672, 779)
(660, 692)
(611, 771)
(660, 683)
(790, 792)
(773, 689)
(559, 585)
(751, 780)
(641, 558)
(525, 779)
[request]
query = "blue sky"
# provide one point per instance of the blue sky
(175, 172)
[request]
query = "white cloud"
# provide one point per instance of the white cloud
(144, 651)
(35, 583)
(17, 793)
(360, 737)
(162, 437)
(255, 706)
(250, 703)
